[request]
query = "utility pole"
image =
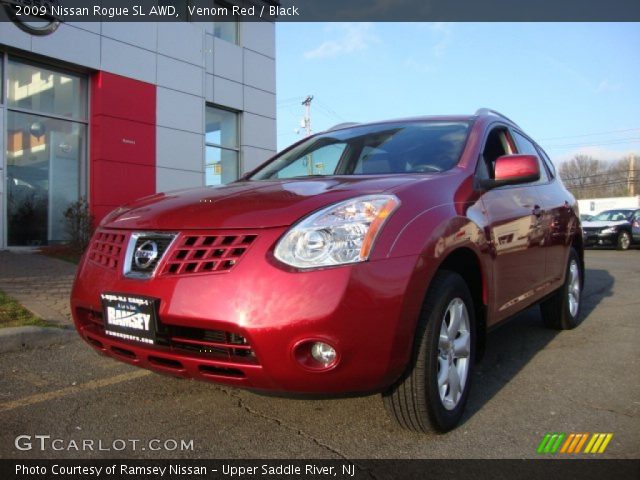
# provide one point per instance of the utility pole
(306, 122)
(632, 175)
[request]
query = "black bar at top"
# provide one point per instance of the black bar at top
(342, 10)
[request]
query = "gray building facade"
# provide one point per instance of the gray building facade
(113, 111)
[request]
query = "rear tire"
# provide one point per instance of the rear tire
(562, 310)
(624, 240)
(433, 392)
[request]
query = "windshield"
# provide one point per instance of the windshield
(392, 148)
(612, 216)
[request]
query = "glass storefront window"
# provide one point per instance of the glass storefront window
(222, 146)
(45, 151)
(40, 89)
(43, 176)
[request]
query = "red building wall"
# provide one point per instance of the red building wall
(122, 156)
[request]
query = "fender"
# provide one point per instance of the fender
(449, 236)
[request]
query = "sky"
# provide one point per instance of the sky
(573, 87)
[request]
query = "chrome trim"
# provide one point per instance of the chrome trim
(128, 256)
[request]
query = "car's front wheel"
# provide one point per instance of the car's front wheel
(433, 392)
(624, 240)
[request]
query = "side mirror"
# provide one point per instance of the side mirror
(514, 170)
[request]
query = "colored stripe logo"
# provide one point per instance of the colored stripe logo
(573, 443)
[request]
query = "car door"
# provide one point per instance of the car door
(635, 226)
(513, 232)
(556, 214)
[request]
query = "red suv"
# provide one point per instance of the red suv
(368, 258)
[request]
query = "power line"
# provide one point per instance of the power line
(609, 142)
(598, 185)
(601, 174)
(591, 134)
(323, 106)
(290, 100)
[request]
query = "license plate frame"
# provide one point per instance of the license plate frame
(130, 317)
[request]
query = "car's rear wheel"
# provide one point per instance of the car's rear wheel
(433, 392)
(562, 309)
(624, 240)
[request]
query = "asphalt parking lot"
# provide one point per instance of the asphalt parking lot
(531, 381)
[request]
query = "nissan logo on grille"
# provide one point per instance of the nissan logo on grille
(145, 254)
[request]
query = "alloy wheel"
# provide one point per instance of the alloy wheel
(573, 292)
(454, 347)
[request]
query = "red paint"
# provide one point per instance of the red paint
(123, 97)
(123, 142)
(252, 204)
(367, 311)
(120, 182)
(514, 167)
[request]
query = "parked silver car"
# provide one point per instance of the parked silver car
(612, 227)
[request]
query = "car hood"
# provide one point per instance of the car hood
(603, 224)
(247, 204)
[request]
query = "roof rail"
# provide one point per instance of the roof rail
(342, 125)
(489, 111)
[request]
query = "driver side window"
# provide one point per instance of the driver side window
(498, 143)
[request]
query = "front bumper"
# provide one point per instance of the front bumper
(598, 238)
(362, 310)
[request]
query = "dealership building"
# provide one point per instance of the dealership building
(113, 111)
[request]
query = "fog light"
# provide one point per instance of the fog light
(323, 353)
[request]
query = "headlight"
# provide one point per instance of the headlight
(338, 234)
(608, 230)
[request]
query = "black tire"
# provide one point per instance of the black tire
(624, 240)
(414, 402)
(556, 310)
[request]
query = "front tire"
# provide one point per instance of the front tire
(433, 392)
(562, 309)
(624, 240)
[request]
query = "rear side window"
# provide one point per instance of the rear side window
(548, 162)
(525, 146)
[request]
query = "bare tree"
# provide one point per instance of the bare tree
(587, 177)
(582, 174)
(617, 178)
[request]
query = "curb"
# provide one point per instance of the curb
(13, 339)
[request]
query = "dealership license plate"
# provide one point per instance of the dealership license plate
(129, 317)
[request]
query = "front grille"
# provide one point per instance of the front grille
(105, 248)
(144, 253)
(210, 342)
(206, 253)
(219, 344)
(592, 229)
